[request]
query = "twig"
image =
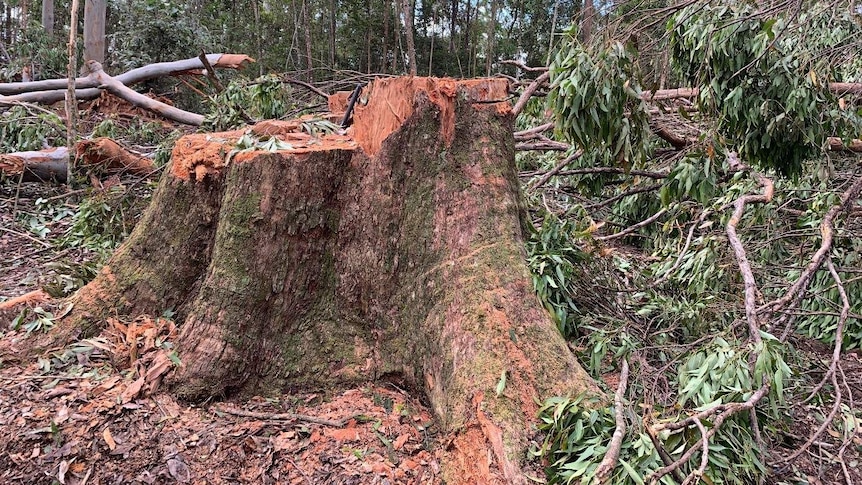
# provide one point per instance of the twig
(633, 228)
(571, 158)
(528, 92)
(635, 191)
(283, 417)
(609, 462)
(307, 479)
(826, 423)
(306, 86)
(21, 234)
(704, 456)
(729, 409)
(210, 71)
(524, 67)
(662, 453)
(667, 274)
(827, 232)
(839, 331)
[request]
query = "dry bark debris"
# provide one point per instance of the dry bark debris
(92, 420)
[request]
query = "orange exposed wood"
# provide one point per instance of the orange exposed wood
(107, 154)
(338, 101)
(382, 108)
(386, 103)
(37, 296)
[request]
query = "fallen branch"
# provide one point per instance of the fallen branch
(134, 76)
(53, 90)
(728, 410)
(609, 462)
(100, 155)
(528, 92)
(739, 251)
(571, 158)
(827, 231)
(633, 228)
(120, 90)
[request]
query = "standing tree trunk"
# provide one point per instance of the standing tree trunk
(407, 12)
(48, 17)
(396, 252)
(492, 35)
(588, 19)
(94, 30)
(309, 62)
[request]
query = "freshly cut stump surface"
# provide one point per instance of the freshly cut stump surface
(392, 251)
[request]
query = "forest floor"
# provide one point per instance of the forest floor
(78, 415)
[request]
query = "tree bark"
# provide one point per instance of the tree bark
(48, 17)
(95, 12)
(407, 12)
(399, 254)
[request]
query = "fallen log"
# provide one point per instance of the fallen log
(53, 90)
(120, 90)
(100, 155)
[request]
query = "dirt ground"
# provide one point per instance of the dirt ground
(77, 415)
(93, 413)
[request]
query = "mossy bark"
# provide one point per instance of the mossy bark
(335, 267)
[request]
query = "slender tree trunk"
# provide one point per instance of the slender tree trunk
(71, 102)
(588, 19)
(407, 13)
(368, 36)
(258, 35)
(386, 15)
(48, 17)
(492, 36)
(333, 8)
(553, 31)
(95, 12)
(24, 7)
(399, 255)
(453, 23)
(309, 61)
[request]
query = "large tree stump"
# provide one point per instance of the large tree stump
(395, 251)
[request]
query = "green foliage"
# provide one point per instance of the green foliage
(101, 224)
(24, 130)
(552, 255)
(768, 95)
(41, 320)
(595, 97)
(822, 313)
(144, 32)
(244, 102)
(34, 50)
(578, 432)
(694, 177)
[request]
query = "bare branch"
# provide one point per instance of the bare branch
(528, 92)
(739, 250)
(633, 228)
(609, 462)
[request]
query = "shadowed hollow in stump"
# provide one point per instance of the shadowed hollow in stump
(393, 250)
